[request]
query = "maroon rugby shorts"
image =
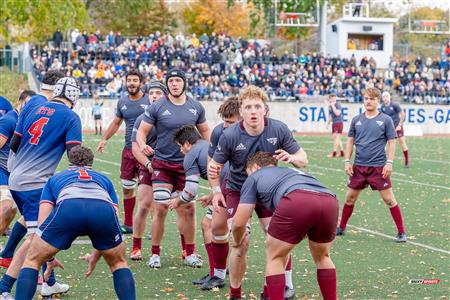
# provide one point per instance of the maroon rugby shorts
(168, 172)
(364, 176)
(337, 127)
(400, 132)
(129, 166)
(145, 177)
(302, 213)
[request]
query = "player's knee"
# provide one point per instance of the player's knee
(390, 202)
(161, 195)
(206, 224)
(128, 186)
(350, 199)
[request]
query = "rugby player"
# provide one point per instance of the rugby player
(129, 107)
(166, 116)
(78, 202)
(394, 111)
(8, 207)
(218, 225)
(369, 133)
(254, 133)
(335, 118)
(301, 207)
(155, 91)
(19, 230)
(39, 142)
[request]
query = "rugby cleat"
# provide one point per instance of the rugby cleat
(6, 296)
(193, 261)
(401, 238)
(213, 282)
(340, 231)
(154, 262)
(56, 289)
(201, 280)
(136, 254)
(126, 229)
(5, 262)
(289, 293)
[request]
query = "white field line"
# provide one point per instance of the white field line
(396, 179)
(107, 162)
(437, 174)
(393, 238)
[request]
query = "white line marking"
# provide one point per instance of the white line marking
(396, 179)
(433, 160)
(393, 238)
(437, 174)
(82, 242)
(107, 162)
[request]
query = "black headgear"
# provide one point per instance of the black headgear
(155, 84)
(175, 72)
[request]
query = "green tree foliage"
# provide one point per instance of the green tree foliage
(130, 17)
(37, 20)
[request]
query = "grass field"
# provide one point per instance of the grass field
(369, 264)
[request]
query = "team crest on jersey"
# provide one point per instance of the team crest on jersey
(156, 173)
(273, 140)
(193, 111)
(230, 211)
(358, 123)
(123, 107)
(240, 147)
(380, 123)
(219, 148)
(166, 113)
(144, 106)
(117, 237)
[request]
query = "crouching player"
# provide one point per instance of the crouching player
(301, 207)
(91, 195)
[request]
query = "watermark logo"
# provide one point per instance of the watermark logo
(424, 281)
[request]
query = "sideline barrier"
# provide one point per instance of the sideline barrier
(302, 117)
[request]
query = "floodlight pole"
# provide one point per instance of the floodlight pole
(323, 27)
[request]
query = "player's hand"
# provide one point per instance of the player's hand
(217, 200)
(101, 146)
(283, 156)
(398, 128)
(92, 260)
(147, 150)
(348, 167)
(55, 263)
(205, 200)
(213, 171)
(175, 203)
(387, 171)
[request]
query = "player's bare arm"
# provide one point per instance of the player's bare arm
(204, 131)
(189, 192)
(3, 141)
(240, 219)
(298, 159)
(402, 120)
(348, 167)
(336, 111)
(141, 138)
(390, 150)
(140, 157)
(112, 129)
(328, 121)
(214, 169)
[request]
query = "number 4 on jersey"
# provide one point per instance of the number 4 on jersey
(36, 130)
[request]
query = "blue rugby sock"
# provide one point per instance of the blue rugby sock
(51, 280)
(6, 284)
(124, 284)
(17, 233)
(26, 284)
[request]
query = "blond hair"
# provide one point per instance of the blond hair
(373, 92)
(253, 92)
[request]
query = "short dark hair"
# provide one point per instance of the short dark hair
(187, 133)
(135, 72)
(262, 159)
(81, 156)
(25, 94)
(229, 108)
(52, 77)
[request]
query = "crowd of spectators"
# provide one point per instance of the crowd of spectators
(218, 65)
